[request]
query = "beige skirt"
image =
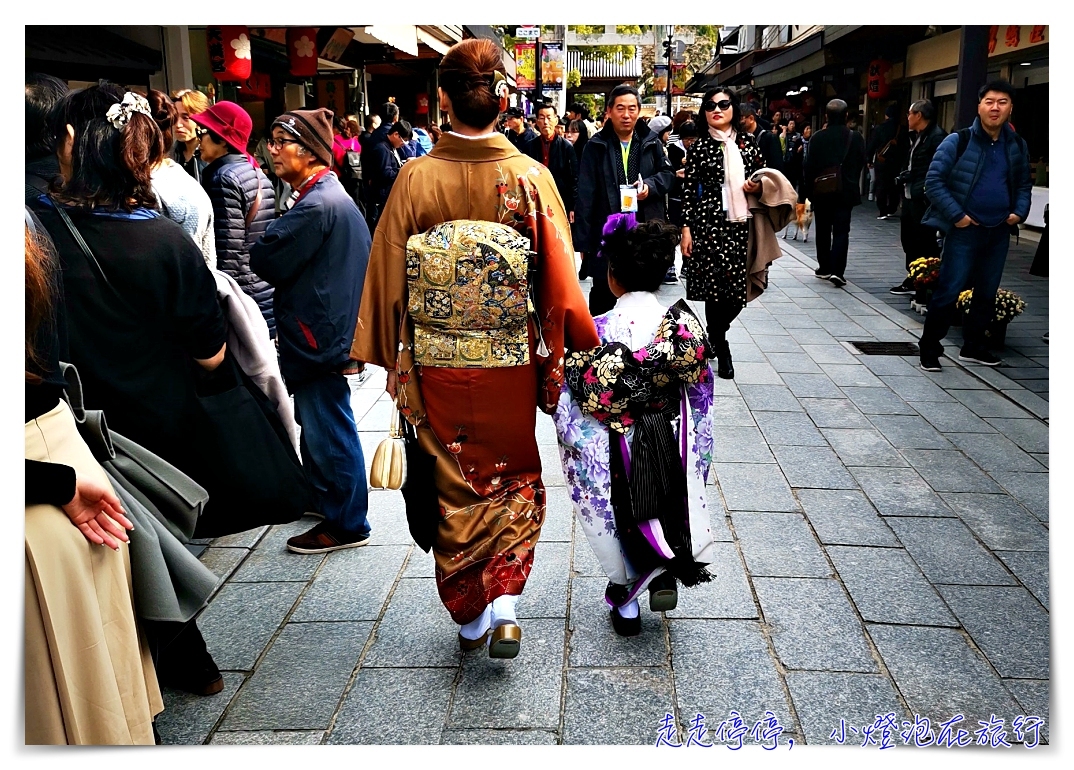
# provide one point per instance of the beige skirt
(89, 674)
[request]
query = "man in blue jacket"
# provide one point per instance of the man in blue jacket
(315, 255)
(979, 187)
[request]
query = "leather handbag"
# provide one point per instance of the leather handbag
(830, 178)
(389, 461)
(419, 491)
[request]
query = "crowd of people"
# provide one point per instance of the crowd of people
(447, 256)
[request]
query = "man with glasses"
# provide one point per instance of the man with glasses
(621, 154)
(980, 187)
(557, 155)
(315, 255)
(771, 148)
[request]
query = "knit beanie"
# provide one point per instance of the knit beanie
(311, 127)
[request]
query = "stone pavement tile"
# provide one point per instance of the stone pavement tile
(394, 706)
(546, 590)
(829, 316)
(1030, 434)
(741, 444)
(1030, 567)
(551, 465)
(847, 330)
(187, 718)
(717, 516)
(863, 447)
(880, 327)
(1041, 458)
(241, 619)
(498, 738)
(813, 625)
(1030, 400)
(851, 375)
(298, 684)
(769, 398)
(845, 517)
(267, 737)
(810, 335)
(247, 539)
(222, 561)
(915, 387)
(378, 418)
(995, 453)
(747, 352)
(899, 492)
(779, 545)
(814, 467)
(725, 665)
(737, 334)
(878, 400)
(559, 516)
(546, 429)
(909, 431)
(948, 470)
(777, 343)
(271, 561)
(1030, 489)
(988, 403)
(726, 596)
(952, 418)
(730, 411)
(893, 365)
(415, 631)
(616, 706)
(941, 676)
(1010, 628)
(754, 487)
(1032, 694)
(793, 362)
(814, 303)
(822, 699)
(520, 693)
(887, 587)
(947, 552)
(830, 354)
(834, 413)
(789, 428)
(421, 564)
(594, 641)
(952, 377)
(749, 373)
(387, 517)
(770, 326)
(999, 521)
(352, 584)
(585, 561)
(812, 386)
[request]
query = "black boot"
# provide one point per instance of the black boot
(724, 366)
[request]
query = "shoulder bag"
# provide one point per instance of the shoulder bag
(830, 178)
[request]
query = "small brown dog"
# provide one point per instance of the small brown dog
(802, 222)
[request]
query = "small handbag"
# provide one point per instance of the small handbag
(389, 461)
(830, 179)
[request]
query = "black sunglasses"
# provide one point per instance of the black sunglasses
(709, 106)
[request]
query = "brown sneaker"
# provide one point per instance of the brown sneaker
(324, 538)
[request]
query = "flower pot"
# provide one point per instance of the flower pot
(996, 334)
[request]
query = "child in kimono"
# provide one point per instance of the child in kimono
(635, 430)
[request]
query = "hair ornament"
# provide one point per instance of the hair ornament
(616, 223)
(499, 85)
(119, 114)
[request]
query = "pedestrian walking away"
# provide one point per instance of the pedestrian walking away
(315, 255)
(636, 445)
(715, 212)
(830, 175)
(980, 187)
(466, 369)
(886, 154)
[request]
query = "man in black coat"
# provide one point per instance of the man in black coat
(885, 153)
(918, 240)
(620, 153)
(557, 155)
(381, 164)
(835, 148)
(769, 142)
(517, 132)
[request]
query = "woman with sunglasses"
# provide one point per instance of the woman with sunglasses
(716, 230)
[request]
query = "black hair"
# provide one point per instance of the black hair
(622, 90)
(580, 108)
(1002, 86)
(687, 129)
(836, 112)
(736, 108)
(368, 122)
(389, 112)
(892, 111)
(639, 258)
(924, 108)
(338, 124)
(402, 128)
(43, 93)
(445, 126)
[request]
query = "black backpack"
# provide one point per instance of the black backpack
(352, 165)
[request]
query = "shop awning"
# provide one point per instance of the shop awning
(91, 48)
(401, 36)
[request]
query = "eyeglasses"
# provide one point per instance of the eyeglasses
(274, 143)
(723, 105)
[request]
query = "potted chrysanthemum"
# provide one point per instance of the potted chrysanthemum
(924, 273)
(1008, 306)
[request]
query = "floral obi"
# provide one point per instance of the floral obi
(616, 385)
(469, 288)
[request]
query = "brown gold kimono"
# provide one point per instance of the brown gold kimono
(478, 422)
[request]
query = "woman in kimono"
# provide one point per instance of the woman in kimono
(635, 430)
(476, 414)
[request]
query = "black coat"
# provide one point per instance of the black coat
(519, 140)
(562, 164)
(232, 183)
(894, 159)
(771, 149)
(380, 166)
(828, 147)
(921, 157)
(598, 185)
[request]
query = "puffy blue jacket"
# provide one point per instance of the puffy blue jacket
(948, 183)
(315, 255)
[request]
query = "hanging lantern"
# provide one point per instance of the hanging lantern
(877, 84)
(229, 52)
(302, 51)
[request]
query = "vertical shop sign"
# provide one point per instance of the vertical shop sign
(678, 79)
(332, 93)
(525, 66)
(552, 64)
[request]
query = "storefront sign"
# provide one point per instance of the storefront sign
(332, 93)
(302, 51)
(337, 44)
(528, 33)
(552, 64)
(525, 65)
(229, 52)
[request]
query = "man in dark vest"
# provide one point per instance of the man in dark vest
(557, 155)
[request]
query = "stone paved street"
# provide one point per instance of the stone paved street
(883, 547)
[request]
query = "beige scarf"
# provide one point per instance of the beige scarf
(734, 176)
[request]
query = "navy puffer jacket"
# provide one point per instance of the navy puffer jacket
(948, 183)
(232, 186)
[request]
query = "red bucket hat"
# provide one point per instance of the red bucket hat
(229, 121)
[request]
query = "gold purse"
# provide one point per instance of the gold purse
(389, 461)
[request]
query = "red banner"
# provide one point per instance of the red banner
(229, 52)
(525, 66)
(302, 51)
